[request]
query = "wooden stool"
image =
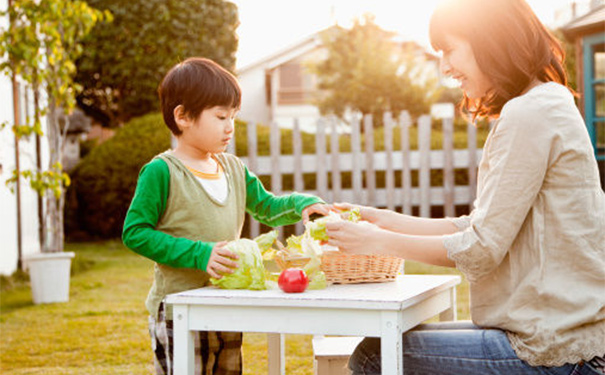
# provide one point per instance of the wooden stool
(331, 354)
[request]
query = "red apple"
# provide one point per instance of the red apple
(293, 280)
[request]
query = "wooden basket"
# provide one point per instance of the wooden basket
(354, 269)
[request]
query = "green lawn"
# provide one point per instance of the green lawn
(103, 329)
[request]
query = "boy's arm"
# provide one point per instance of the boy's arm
(274, 210)
(147, 207)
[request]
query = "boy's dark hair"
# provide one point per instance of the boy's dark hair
(197, 84)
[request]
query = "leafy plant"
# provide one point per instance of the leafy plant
(39, 46)
(104, 181)
(121, 66)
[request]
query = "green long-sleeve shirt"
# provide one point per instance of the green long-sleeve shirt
(173, 221)
(149, 204)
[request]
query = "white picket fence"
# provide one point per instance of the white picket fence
(367, 162)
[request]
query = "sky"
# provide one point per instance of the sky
(267, 26)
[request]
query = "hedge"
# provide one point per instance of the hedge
(103, 182)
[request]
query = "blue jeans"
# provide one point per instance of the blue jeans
(455, 348)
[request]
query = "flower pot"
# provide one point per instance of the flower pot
(49, 275)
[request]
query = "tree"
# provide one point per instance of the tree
(570, 57)
(366, 71)
(122, 66)
(40, 46)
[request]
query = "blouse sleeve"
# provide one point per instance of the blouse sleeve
(515, 162)
(461, 222)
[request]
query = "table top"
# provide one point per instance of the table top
(405, 291)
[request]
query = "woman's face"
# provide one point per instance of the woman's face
(459, 62)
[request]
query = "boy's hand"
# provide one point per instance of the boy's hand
(317, 208)
(221, 261)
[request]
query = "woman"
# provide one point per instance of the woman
(533, 246)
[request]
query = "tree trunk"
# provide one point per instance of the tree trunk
(54, 205)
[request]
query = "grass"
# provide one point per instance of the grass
(103, 328)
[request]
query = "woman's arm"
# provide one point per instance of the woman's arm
(406, 224)
(403, 224)
(365, 238)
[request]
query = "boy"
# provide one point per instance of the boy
(191, 200)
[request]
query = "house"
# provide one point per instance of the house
(588, 34)
(19, 211)
(281, 87)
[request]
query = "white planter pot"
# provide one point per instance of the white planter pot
(49, 276)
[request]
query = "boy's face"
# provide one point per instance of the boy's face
(212, 130)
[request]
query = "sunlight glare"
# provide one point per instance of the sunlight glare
(266, 26)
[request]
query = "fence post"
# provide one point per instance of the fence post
(448, 167)
(424, 174)
(275, 142)
(356, 154)
(388, 148)
(368, 129)
(299, 183)
(320, 152)
(252, 146)
(335, 152)
(406, 171)
(252, 165)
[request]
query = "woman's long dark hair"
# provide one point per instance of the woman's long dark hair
(512, 47)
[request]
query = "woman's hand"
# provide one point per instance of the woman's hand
(221, 261)
(355, 238)
(367, 213)
(317, 208)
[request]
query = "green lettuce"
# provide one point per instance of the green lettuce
(311, 248)
(293, 243)
(265, 241)
(250, 273)
(317, 228)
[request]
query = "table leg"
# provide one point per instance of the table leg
(451, 313)
(391, 351)
(276, 355)
(184, 361)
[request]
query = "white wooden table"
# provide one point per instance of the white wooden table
(384, 310)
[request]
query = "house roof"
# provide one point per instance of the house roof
(288, 53)
(310, 43)
(590, 22)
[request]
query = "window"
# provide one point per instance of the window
(598, 70)
(291, 90)
(594, 91)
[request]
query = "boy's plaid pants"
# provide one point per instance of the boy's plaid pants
(216, 353)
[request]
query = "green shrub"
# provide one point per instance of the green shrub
(103, 182)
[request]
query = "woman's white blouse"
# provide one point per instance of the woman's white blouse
(533, 248)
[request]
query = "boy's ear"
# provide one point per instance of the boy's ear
(180, 117)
